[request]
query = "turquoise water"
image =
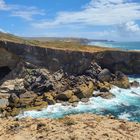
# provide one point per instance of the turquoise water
(121, 45)
(126, 105)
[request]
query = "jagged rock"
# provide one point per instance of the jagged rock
(65, 96)
(4, 103)
(41, 104)
(13, 99)
(48, 97)
(103, 88)
(93, 71)
(58, 75)
(105, 95)
(121, 80)
(104, 75)
(135, 84)
(27, 98)
(85, 91)
(37, 81)
(74, 99)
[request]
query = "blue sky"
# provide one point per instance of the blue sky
(97, 19)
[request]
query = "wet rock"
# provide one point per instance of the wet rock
(105, 95)
(48, 97)
(65, 96)
(74, 99)
(121, 80)
(104, 75)
(84, 100)
(135, 84)
(85, 90)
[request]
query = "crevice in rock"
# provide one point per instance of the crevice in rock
(5, 70)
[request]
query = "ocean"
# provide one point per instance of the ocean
(126, 105)
(120, 45)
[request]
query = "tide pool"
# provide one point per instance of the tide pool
(126, 105)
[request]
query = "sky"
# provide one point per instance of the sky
(96, 19)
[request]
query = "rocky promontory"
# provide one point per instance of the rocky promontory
(35, 76)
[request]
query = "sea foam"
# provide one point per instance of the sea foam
(126, 105)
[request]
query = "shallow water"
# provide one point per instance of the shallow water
(121, 45)
(126, 105)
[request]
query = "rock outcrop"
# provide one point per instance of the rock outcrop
(75, 62)
(39, 76)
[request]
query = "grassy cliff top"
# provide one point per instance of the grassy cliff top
(55, 44)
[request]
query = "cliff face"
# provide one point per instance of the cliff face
(73, 62)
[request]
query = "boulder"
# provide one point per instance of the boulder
(121, 80)
(37, 81)
(93, 71)
(103, 87)
(40, 104)
(65, 96)
(4, 103)
(104, 75)
(13, 100)
(135, 84)
(27, 99)
(85, 90)
(84, 100)
(48, 97)
(105, 95)
(74, 99)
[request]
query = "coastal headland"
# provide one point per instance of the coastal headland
(35, 74)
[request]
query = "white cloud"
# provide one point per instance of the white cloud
(28, 13)
(21, 11)
(132, 27)
(97, 12)
(129, 29)
(4, 6)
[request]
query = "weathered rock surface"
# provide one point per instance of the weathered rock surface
(121, 80)
(85, 90)
(43, 76)
(105, 95)
(104, 75)
(135, 84)
(75, 62)
(78, 127)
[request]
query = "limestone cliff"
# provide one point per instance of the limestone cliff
(73, 62)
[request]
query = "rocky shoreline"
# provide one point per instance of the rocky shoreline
(36, 88)
(33, 77)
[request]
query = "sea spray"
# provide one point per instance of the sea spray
(126, 105)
